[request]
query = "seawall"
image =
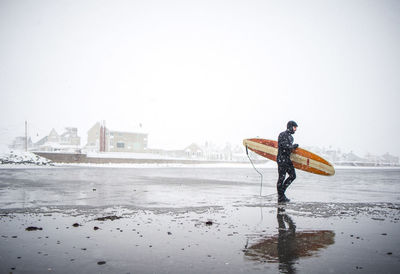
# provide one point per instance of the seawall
(83, 158)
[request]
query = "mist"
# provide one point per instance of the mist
(195, 71)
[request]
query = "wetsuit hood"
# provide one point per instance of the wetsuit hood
(290, 126)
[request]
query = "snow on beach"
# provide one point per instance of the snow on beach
(19, 159)
(267, 165)
(22, 159)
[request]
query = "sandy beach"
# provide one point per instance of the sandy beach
(197, 220)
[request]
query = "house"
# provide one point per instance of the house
(70, 137)
(390, 159)
(69, 141)
(212, 152)
(102, 139)
(194, 151)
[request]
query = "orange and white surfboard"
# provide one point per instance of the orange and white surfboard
(301, 158)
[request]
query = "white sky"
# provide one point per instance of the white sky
(191, 71)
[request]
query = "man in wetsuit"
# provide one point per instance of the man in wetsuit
(285, 165)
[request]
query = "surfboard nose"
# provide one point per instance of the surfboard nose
(331, 170)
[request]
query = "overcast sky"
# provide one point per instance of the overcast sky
(191, 71)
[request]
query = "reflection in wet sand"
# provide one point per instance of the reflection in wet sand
(288, 245)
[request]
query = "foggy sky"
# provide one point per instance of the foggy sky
(192, 71)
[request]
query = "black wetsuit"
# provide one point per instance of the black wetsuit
(285, 165)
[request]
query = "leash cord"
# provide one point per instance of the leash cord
(247, 152)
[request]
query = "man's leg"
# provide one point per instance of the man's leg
(292, 176)
(281, 180)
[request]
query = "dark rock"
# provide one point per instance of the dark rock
(111, 218)
(101, 262)
(96, 228)
(209, 223)
(33, 228)
(76, 225)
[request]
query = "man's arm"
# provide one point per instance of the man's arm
(286, 143)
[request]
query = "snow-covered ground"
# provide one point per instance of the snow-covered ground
(21, 159)
(266, 165)
(128, 155)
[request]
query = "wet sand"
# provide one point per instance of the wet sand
(88, 220)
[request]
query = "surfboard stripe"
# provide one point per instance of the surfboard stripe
(310, 164)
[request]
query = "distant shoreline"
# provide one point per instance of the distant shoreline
(80, 158)
(57, 159)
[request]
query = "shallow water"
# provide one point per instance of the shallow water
(197, 220)
(186, 187)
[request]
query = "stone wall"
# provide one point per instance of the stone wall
(82, 158)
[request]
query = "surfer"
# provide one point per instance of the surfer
(285, 165)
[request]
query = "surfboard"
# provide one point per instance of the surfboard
(302, 159)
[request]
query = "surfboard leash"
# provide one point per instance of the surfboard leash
(248, 156)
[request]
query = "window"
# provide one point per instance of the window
(120, 145)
